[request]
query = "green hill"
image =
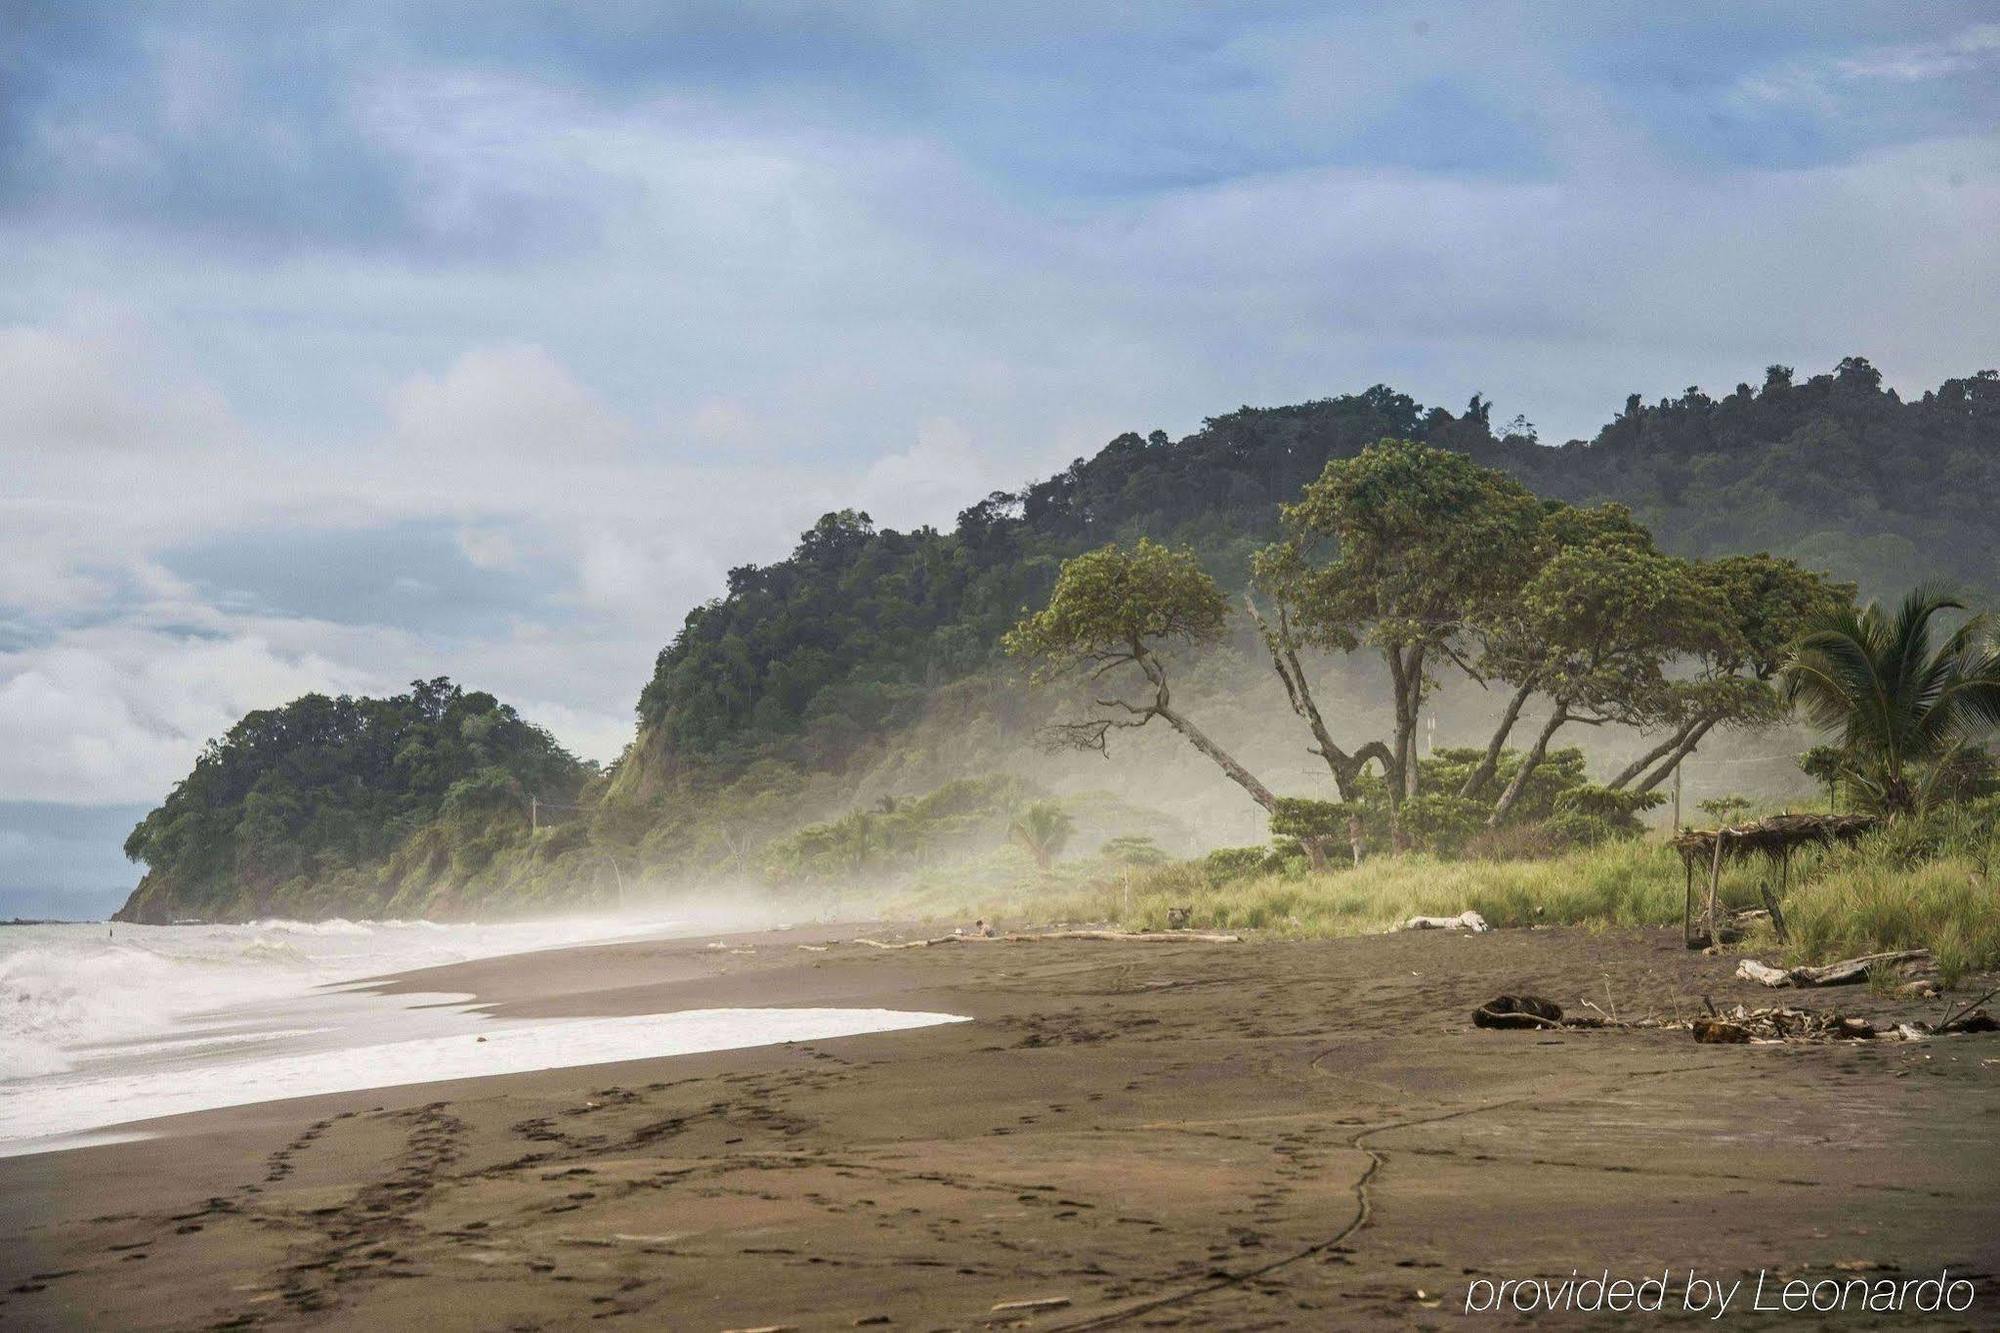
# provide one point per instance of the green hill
(355, 807)
(867, 662)
(1836, 472)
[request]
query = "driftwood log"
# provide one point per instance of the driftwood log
(1467, 920)
(1518, 1011)
(1847, 972)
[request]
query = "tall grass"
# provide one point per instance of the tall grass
(1908, 887)
(1624, 883)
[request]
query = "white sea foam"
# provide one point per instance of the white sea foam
(66, 991)
(102, 1026)
(43, 1114)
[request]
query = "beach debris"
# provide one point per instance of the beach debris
(1180, 918)
(1030, 1304)
(1739, 1025)
(1970, 1017)
(1847, 972)
(813, 948)
(1782, 1024)
(1467, 920)
(1518, 1011)
(1718, 1031)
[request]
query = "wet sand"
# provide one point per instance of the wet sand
(1257, 1135)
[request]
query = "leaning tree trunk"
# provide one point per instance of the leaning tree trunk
(1490, 762)
(1346, 768)
(1646, 760)
(1529, 763)
(1681, 751)
(1235, 772)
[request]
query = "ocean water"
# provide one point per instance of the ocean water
(100, 1025)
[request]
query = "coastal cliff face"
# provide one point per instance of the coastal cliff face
(866, 665)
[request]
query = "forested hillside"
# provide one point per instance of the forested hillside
(1835, 471)
(866, 668)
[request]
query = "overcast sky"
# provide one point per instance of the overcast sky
(345, 343)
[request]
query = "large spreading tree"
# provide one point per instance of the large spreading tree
(1114, 613)
(1396, 550)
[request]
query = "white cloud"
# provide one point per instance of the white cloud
(116, 714)
(774, 319)
(499, 407)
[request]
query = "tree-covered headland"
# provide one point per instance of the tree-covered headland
(349, 807)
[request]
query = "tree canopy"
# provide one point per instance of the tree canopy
(849, 632)
(324, 784)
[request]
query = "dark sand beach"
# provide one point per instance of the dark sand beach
(1256, 1135)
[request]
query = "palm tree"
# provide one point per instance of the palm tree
(1043, 829)
(1905, 709)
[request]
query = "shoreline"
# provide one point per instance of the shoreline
(1284, 1133)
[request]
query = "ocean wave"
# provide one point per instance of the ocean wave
(66, 991)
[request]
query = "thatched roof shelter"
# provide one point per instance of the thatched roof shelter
(1776, 838)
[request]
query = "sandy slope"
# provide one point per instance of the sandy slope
(1223, 1136)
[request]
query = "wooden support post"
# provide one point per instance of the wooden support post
(1714, 884)
(1777, 912)
(1687, 904)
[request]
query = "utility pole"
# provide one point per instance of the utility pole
(534, 814)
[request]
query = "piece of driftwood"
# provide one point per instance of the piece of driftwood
(1467, 920)
(1031, 1304)
(1847, 972)
(1978, 1020)
(1719, 1032)
(1518, 1011)
(1763, 973)
(1969, 1017)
